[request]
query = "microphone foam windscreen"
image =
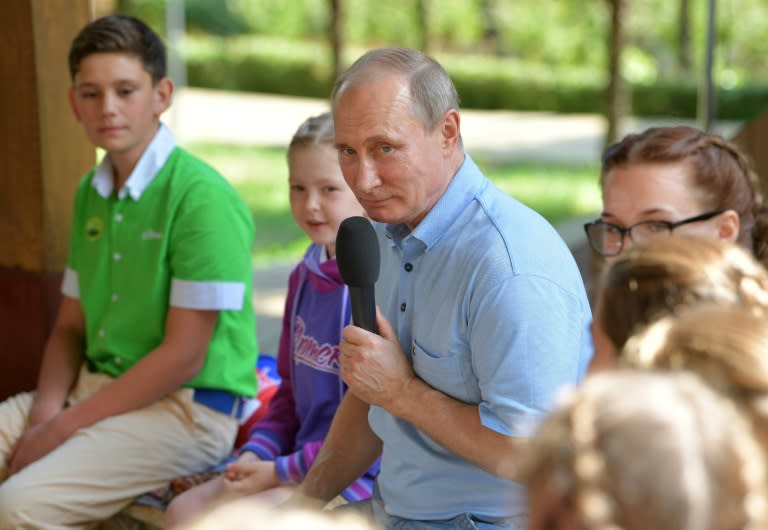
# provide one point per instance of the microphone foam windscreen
(357, 252)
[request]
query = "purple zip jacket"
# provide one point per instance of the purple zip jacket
(300, 413)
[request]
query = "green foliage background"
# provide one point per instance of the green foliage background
(548, 55)
(551, 32)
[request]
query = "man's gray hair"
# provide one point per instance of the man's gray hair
(432, 90)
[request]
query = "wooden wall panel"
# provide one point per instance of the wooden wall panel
(64, 150)
(21, 210)
(753, 139)
(43, 154)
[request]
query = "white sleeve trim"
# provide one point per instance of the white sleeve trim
(207, 295)
(70, 285)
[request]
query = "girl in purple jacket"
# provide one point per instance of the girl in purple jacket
(283, 444)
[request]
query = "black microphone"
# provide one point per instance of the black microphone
(357, 254)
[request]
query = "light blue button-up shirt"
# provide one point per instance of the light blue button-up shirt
(490, 308)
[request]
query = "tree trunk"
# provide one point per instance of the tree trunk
(707, 93)
(336, 38)
(617, 94)
(422, 19)
(490, 28)
(684, 37)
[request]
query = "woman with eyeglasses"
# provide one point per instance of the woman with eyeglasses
(678, 180)
(673, 181)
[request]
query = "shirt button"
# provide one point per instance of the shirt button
(118, 217)
(118, 360)
(408, 267)
(101, 333)
(115, 297)
(117, 256)
(402, 307)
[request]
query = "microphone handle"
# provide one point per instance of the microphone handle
(363, 302)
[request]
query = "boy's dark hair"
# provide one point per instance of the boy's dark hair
(120, 34)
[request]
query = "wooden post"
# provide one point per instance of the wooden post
(43, 154)
(752, 138)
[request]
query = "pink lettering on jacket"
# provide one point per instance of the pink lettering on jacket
(306, 350)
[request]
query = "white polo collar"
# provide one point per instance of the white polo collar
(150, 163)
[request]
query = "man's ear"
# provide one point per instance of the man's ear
(451, 131)
(163, 95)
(728, 225)
(72, 103)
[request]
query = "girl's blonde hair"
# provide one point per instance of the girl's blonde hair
(315, 130)
(649, 450)
(664, 276)
(726, 346)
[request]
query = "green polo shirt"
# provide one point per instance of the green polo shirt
(185, 242)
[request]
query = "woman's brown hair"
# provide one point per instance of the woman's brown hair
(662, 277)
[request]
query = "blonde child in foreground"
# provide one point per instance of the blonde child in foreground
(726, 346)
(636, 450)
(283, 445)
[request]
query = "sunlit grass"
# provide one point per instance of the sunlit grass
(558, 192)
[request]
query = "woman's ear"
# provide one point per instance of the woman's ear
(728, 225)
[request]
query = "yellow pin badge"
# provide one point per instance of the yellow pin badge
(94, 228)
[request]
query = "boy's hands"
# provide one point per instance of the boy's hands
(37, 441)
(249, 475)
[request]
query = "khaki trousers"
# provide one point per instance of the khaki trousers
(103, 468)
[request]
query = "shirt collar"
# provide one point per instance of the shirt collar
(150, 163)
(465, 185)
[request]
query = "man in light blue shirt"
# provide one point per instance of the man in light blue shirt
(483, 311)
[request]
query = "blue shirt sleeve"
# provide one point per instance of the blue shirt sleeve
(522, 336)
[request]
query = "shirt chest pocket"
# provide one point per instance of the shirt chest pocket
(447, 374)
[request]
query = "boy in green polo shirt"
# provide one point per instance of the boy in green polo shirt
(154, 344)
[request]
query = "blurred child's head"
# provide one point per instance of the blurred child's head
(119, 88)
(726, 346)
(320, 197)
(637, 450)
(664, 276)
(120, 34)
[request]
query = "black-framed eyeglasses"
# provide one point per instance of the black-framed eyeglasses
(607, 239)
